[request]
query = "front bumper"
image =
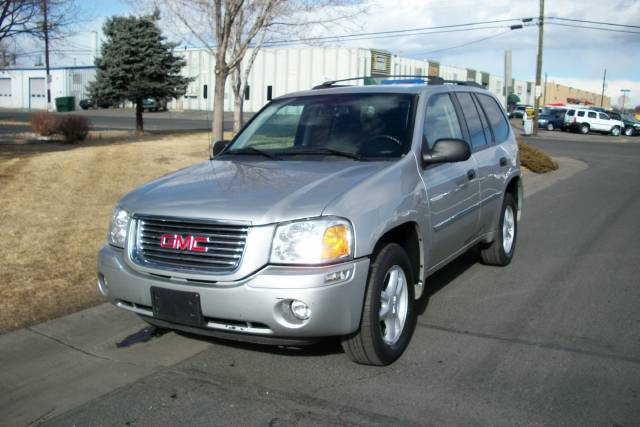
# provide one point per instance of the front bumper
(251, 308)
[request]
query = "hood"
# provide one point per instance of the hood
(261, 192)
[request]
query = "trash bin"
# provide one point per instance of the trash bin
(528, 126)
(66, 103)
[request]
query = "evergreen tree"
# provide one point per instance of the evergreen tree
(136, 63)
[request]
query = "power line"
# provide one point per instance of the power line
(593, 28)
(393, 33)
(593, 22)
(461, 45)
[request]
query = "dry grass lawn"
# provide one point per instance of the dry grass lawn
(56, 206)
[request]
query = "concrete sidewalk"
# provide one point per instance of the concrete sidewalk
(59, 365)
(53, 367)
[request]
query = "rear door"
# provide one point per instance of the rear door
(493, 161)
(452, 188)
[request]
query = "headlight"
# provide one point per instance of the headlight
(314, 241)
(119, 227)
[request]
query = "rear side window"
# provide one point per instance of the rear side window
(580, 113)
(474, 124)
(441, 120)
(592, 115)
(496, 118)
(571, 112)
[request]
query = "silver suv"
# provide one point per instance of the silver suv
(323, 217)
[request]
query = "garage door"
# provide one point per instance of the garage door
(37, 94)
(5, 93)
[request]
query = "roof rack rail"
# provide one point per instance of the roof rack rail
(463, 83)
(331, 83)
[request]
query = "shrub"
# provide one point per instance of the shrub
(44, 124)
(73, 128)
(536, 160)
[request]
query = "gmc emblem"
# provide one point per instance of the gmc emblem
(183, 243)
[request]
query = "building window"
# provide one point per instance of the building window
(246, 93)
(204, 91)
(269, 93)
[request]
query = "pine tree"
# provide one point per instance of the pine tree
(136, 63)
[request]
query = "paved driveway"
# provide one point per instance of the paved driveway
(552, 339)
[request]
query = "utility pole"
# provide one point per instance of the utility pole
(539, 65)
(545, 90)
(604, 81)
(45, 30)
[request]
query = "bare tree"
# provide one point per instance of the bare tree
(230, 28)
(25, 17)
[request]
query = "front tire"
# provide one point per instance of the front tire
(628, 131)
(584, 129)
(500, 251)
(615, 131)
(388, 317)
(550, 126)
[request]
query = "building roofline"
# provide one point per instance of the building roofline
(71, 67)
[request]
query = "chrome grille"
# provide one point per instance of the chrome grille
(224, 244)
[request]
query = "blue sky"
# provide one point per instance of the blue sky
(572, 56)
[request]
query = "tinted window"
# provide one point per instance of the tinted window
(592, 115)
(571, 112)
(441, 120)
(368, 125)
(473, 120)
(580, 113)
(496, 118)
(603, 116)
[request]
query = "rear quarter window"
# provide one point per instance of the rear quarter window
(580, 113)
(571, 113)
(496, 117)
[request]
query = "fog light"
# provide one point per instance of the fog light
(103, 286)
(300, 310)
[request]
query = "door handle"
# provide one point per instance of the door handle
(471, 173)
(503, 161)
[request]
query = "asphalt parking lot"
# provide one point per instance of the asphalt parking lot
(550, 340)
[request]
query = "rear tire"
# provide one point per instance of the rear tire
(550, 126)
(500, 251)
(388, 317)
(584, 129)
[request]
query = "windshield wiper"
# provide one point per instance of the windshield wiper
(252, 150)
(324, 151)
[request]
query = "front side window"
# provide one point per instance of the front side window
(476, 132)
(363, 125)
(440, 120)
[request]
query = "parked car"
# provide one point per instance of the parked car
(152, 104)
(323, 217)
(631, 127)
(518, 112)
(551, 118)
(85, 104)
(585, 120)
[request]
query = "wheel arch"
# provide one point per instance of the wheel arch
(514, 187)
(408, 236)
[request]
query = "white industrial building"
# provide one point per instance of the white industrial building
(278, 71)
(275, 72)
(25, 88)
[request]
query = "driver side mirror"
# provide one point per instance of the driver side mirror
(218, 147)
(447, 151)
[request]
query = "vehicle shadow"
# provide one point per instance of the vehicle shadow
(449, 273)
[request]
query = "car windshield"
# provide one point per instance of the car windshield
(356, 126)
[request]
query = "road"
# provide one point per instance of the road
(124, 119)
(553, 339)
